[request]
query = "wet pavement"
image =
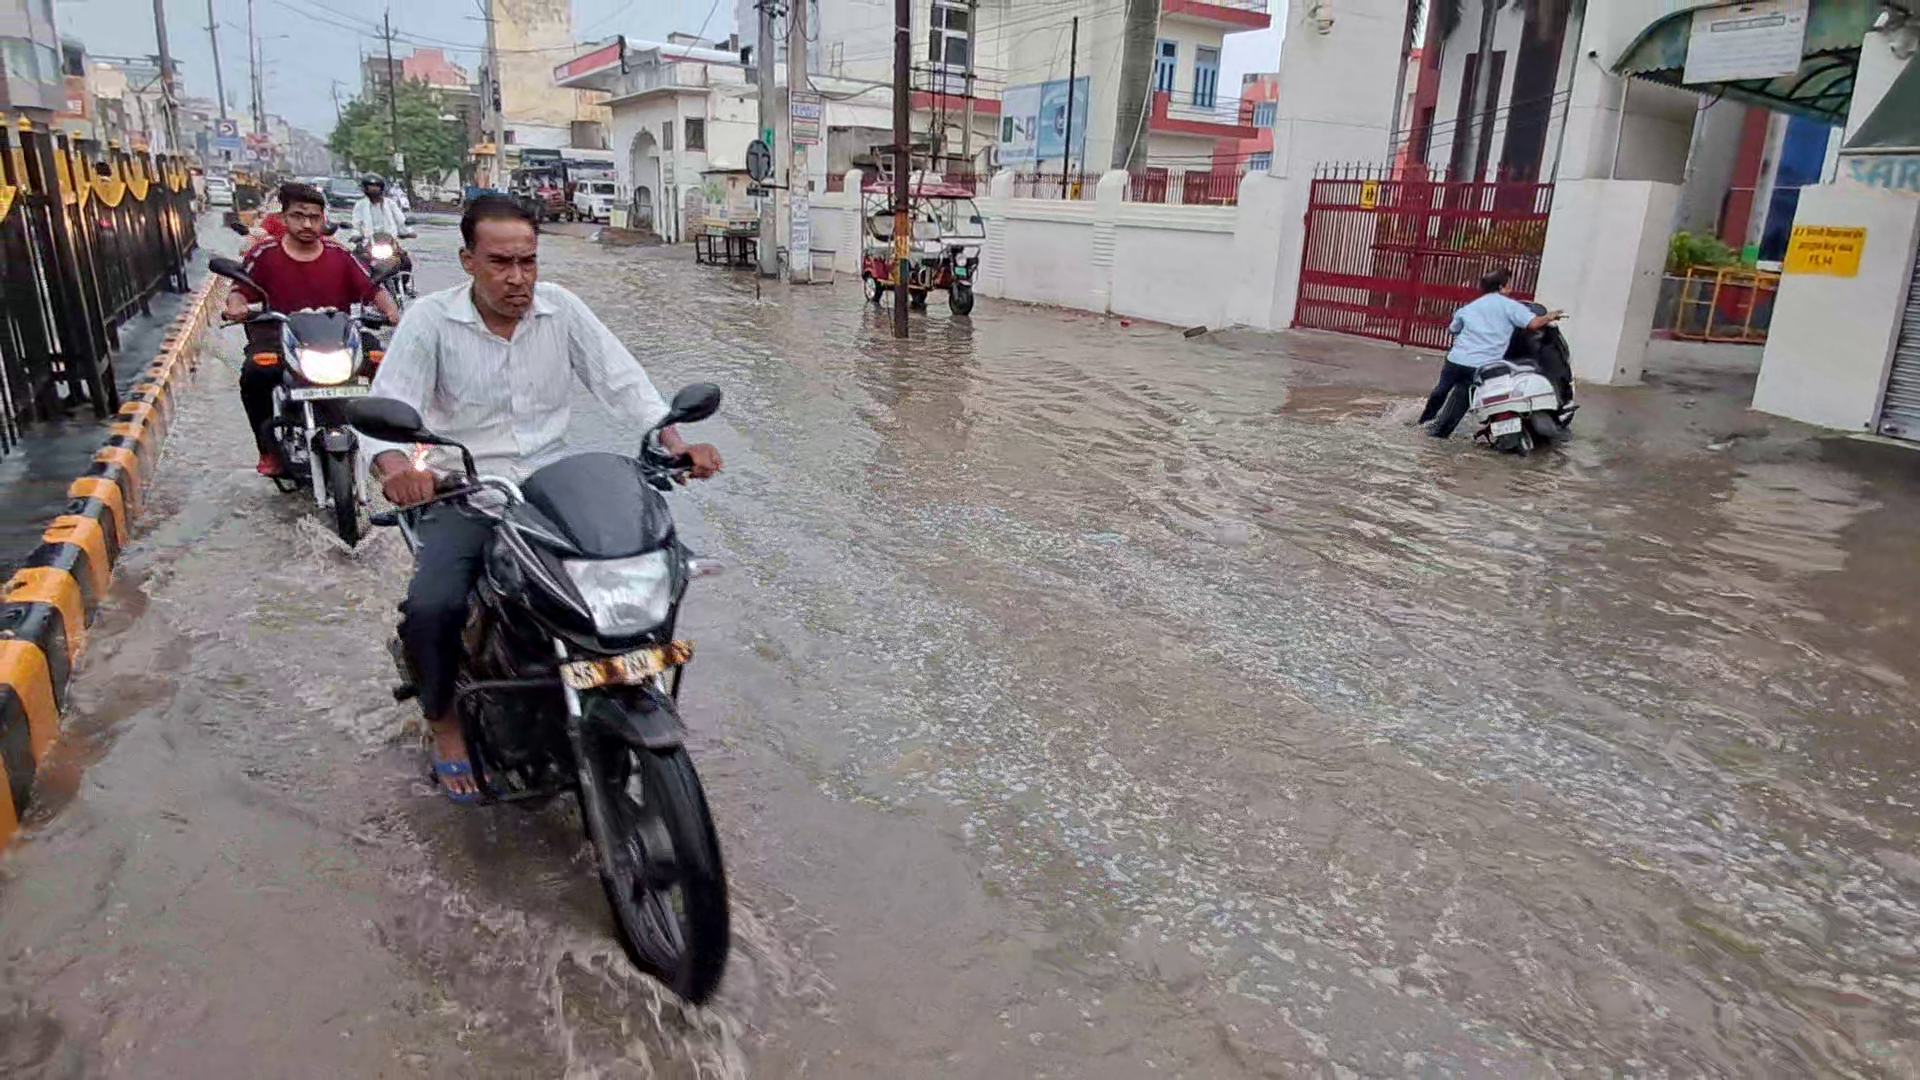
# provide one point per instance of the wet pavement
(1083, 701)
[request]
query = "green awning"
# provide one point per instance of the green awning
(1821, 89)
(1894, 125)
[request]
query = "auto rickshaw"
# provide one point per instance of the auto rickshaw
(944, 252)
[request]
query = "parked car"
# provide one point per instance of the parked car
(593, 200)
(219, 190)
(343, 192)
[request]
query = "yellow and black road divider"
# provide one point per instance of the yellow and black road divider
(46, 606)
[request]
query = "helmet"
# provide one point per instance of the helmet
(372, 180)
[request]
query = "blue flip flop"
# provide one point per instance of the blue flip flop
(446, 770)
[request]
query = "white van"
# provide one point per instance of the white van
(593, 199)
(219, 190)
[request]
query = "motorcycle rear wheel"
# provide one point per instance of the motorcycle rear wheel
(338, 477)
(668, 889)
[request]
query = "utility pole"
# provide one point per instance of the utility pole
(1073, 72)
(495, 103)
(966, 130)
(1141, 28)
(393, 108)
(219, 81)
(336, 103)
(765, 255)
(799, 188)
(902, 159)
(166, 76)
(253, 57)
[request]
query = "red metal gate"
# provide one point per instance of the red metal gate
(1393, 257)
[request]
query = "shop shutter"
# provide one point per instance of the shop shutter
(1900, 411)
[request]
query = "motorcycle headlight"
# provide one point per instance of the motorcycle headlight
(626, 596)
(382, 252)
(326, 367)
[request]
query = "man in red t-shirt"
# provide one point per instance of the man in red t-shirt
(301, 271)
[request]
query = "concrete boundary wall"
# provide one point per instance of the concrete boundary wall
(1183, 265)
(49, 601)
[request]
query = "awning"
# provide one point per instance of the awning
(1821, 89)
(1894, 125)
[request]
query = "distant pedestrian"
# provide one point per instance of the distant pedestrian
(1482, 332)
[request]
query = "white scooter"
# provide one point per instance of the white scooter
(1517, 403)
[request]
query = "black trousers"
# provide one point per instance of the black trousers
(257, 382)
(1447, 405)
(444, 570)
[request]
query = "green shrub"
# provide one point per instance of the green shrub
(1687, 250)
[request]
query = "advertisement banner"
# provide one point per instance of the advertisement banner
(1033, 123)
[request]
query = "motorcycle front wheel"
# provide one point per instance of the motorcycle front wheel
(668, 887)
(338, 476)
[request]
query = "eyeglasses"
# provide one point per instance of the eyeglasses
(303, 219)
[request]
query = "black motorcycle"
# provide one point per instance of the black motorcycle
(570, 674)
(326, 357)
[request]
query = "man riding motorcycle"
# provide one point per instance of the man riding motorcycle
(300, 271)
(488, 364)
(375, 215)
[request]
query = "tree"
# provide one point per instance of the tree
(433, 146)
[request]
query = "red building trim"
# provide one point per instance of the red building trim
(1211, 129)
(955, 103)
(1219, 13)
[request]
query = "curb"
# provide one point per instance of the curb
(45, 606)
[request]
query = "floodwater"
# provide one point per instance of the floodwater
(1082, 701)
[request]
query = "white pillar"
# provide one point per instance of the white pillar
(1606, 250)
(1336, 105)
(1831, 342)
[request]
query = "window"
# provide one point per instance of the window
(949, 45)
(1166, 56)
(666, 135)
(696, 134)
(1262, 162)
(1206, 76)
(1263, 113)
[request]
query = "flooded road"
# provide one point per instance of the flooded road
(1083, 701)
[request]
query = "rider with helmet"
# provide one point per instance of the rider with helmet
(374, 215)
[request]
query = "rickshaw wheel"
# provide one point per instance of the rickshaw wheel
(871, 288)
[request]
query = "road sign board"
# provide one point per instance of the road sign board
(758, 192)
(228, 128)
(759, 160)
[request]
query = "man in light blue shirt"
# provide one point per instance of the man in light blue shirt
(1482, 332)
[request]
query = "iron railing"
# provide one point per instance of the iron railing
(1188, 187)
(87, 236)
(1073, 186)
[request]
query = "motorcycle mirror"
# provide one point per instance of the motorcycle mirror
(388, 420)
(233, 271)
(332, 227)
(693, 404)
(237, 227)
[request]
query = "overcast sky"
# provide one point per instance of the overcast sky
(308, 44)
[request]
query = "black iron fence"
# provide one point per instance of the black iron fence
(88, 235)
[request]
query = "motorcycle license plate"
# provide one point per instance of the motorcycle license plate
(320, 393)
(627, 669)
(1506, 427)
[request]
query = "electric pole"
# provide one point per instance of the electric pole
(1073, 73)
(902, 160)
(799, 187)
(1141, 28)
(393, 108)
(166, 76)
(495, 104)
(765, 255)
(966, 131)
(219, 81)
(253, 57)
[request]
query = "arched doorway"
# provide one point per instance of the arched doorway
(644, 167)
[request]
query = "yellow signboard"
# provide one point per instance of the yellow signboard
(1370, 195)
(1833, 250)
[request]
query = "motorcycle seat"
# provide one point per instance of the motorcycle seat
(1502, 367)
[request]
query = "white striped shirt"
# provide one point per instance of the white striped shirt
(509, 401)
